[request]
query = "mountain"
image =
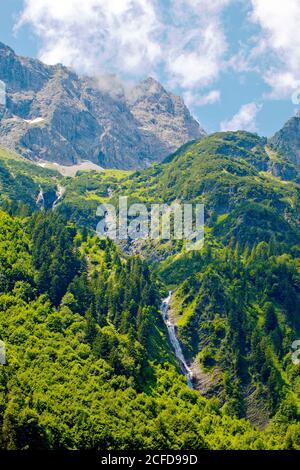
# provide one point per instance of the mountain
(53, 114)
(89, 360)
(163, 115)
(235, 302)
(250, 192)
(287, 140)
(236, 176)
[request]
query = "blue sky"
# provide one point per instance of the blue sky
(236, 62)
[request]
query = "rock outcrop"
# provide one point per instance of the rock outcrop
(53, 114)
(287, 140)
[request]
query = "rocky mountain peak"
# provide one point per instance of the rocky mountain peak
(287, 140)
(147, 88)
(53, 114)
(5, 48)
(162, 114)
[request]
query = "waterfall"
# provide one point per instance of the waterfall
(174, 340)
(59, 194)
(40, 201)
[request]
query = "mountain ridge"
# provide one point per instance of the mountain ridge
(287, 140)
(53, 114)
(234, 303)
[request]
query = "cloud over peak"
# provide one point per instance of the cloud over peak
(198, 48)
(181, 39)
(244, 119)
(278, 43)
(95, 35)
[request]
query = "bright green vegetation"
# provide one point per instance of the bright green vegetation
(237, 314)
(237, 301)
(224, 171)
(86, 191)
(83, 367)
(20, 183)
(89, 364)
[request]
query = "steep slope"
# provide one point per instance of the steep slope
(162, 115)
(54, 115)
(232, 174)
(287, 140)
(88, 365)
(237, 316)
(235, 302)
(25, 187)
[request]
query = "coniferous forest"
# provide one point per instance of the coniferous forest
(89, 362)
(149, 232)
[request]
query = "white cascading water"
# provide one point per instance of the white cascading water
(40, 201)
(59, 194)
(174, 340)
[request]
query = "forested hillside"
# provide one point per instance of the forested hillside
(236, 302)
(89, 362)
(21, 183)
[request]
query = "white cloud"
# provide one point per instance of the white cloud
(279, 43)
(283, 83)
(244, 119)
(93, 35)
(193, 99)
(183, 40)
(198, 67)
(198, 45)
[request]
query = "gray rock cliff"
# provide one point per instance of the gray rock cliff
(287, 140)
(53, 114)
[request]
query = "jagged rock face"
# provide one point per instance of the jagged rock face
(52, 114)
(162, 116)
(287, 140)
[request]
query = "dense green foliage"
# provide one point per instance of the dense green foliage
(232, 174)
(237, 302)
(238, 317)
(21, 181)
(88, 372)
(89, 363)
